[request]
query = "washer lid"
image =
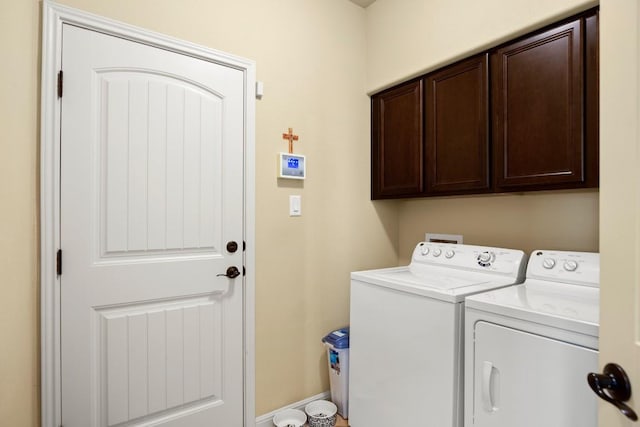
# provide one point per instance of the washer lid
(441, 283)
(565, 306)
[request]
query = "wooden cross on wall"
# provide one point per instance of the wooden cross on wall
(291, 137)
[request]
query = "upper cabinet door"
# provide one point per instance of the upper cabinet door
(396, 142)
(457, 128)
(537, 97)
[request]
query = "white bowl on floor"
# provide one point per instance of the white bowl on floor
(290, 418)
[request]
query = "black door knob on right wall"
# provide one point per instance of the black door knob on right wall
(614, 387)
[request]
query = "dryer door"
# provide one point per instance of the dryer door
(526, 380)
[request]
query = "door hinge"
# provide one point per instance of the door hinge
(60, 79)
(244, 271)
(244, 246)
(59, 262)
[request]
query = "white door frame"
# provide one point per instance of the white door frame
(54, 16)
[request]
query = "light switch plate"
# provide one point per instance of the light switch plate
(295, 205)
(259, 89)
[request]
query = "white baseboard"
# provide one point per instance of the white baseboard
(266, 420)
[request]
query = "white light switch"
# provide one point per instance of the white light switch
(259, 90)
(295, 205)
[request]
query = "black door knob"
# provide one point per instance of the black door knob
(614, 387)
(232, 272)
(232, 247)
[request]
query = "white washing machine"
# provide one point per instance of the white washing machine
(406, 343)
(530, 347)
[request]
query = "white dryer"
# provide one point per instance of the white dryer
(406, 343)
(530, 347)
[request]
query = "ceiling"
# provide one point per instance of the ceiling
(363, 3)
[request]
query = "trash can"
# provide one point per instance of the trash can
(337, 344)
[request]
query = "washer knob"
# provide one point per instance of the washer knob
(425, 250)
(549, 263)
(486, 258)
(437, 252)
(449, 254)
(570, 265)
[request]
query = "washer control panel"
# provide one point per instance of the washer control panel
(581, 268)
(469, 257)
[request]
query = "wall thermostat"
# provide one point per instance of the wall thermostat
(291, 166)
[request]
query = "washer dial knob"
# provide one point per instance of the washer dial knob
(425, 250)
(437, 252)
(486, 258)
(549, 263)
(570, 265)
(449, 254)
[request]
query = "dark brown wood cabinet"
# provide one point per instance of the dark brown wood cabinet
(538, 100)
(521, 117)
(545, 108)
(457, 131)
(592, 99)
(397, 160)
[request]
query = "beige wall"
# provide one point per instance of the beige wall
(311, 57)
(408, 37)
(620, 184)
(559, 220)
(317, 60)
(18, 238)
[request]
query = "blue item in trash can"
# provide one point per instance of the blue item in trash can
(338, 339)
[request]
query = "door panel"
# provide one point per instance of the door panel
(397, 156)
(151, 189)
(160, 155)
(537, 99)
(159, 356)
(620, 198)
(457, 127)
(525, 380)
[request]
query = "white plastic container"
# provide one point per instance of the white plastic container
(337, 344)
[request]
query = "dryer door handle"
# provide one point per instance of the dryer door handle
(613, 386)
(487, 386)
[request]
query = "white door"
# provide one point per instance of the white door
(620, 198)
(151, 193)
(526, 380)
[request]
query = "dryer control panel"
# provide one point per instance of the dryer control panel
(578, 268)
(508, 262)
